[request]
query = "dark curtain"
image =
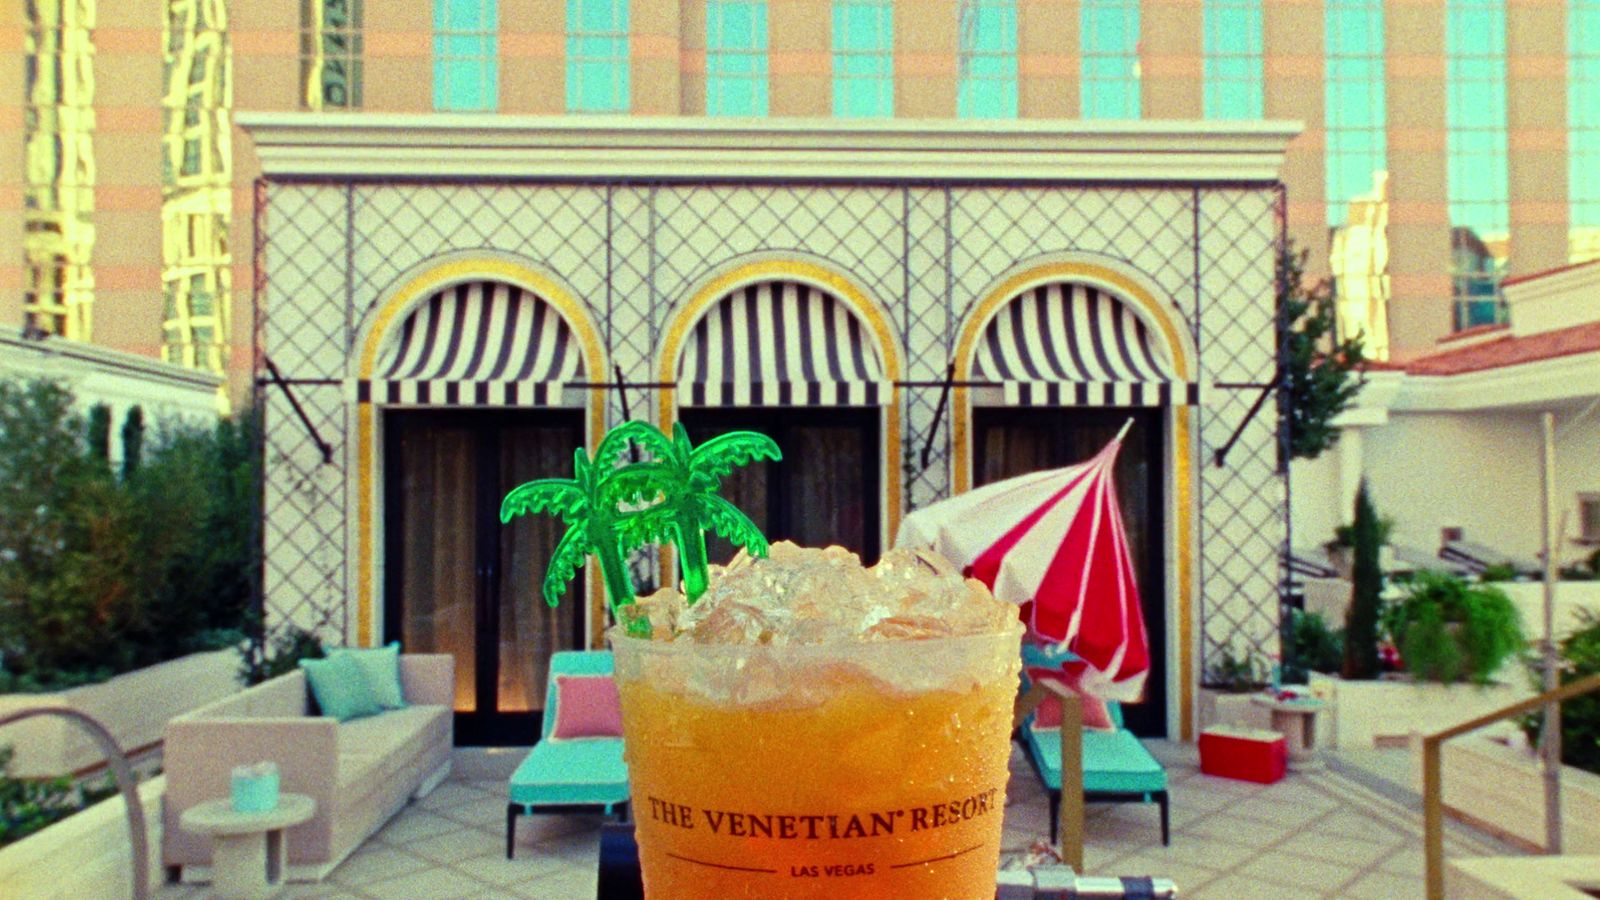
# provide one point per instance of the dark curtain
(530, 630)
(824, 491)
(438, 522)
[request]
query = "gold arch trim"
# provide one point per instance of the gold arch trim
(1158, 315)
(393, 309)
(829, 280)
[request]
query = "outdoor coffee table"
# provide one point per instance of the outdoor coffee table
(247, 848)
(1296, 720)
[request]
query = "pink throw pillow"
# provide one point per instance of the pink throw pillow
(587, 706)
(1048, 714)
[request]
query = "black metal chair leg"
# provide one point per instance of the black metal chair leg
(1161, 799)
(511, 829)
(1055, 815)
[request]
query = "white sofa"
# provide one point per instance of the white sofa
(360, 772)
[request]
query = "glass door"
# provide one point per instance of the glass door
(1013, 441)
(825, 489)
(458, 581)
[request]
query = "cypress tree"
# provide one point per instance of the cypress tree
(99, 429)
(1361, 622)
(132, 441)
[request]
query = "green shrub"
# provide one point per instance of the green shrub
(1236, 674)
(30, 805)
(1498, 572)
(1580, 716)
(1450, 630)
(101, 574)
(1310, 646)
(263, 662)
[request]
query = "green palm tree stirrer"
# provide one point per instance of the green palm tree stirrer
(688, 477)
(589, 503)
(672, 497)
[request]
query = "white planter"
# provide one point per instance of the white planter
(134, 707)
(1222, 708)
(1364, 713)
(1571, 596)
(1501, 788)
(86, 856)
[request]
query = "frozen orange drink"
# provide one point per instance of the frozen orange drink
(813, 728)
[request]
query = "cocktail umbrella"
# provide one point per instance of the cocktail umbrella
(1053, 541)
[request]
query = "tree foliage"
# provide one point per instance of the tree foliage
(1366, 603)
(101, 574)
(1322, 372)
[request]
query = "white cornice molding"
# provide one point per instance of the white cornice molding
(1533, 385)
(455, 145)
(55, 357)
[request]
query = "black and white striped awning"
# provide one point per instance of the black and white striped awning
(780, 343)
(482, 343)
(1074, 345)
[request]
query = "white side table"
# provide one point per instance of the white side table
(1296, 720)
(247, 848)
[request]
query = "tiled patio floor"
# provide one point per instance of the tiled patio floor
(1317, 834)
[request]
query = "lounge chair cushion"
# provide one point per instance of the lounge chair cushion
(589, 706)
(1113, 761)
(587, 771)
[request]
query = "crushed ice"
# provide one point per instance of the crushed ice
(801, 595)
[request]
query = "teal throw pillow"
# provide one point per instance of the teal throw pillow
(381, 665)
(340, 687)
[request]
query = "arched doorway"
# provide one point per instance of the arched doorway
(472, 388)
(1058, 366)
(796, 359)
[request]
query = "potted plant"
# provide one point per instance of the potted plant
(1448, 629)
(1226, 688)
(1497, 780)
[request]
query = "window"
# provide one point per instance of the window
(1109, 40)
(1475, 141)
(1356, 154)
(1589, 518)
(1583, 127)
(597, 55)
(330, 54)
(825, 491)
(58, 168)
(466, 72)
(1232, 46)
(987, 60)
(197, 185)
(1354, 90)
(863, 58)
(736, 58)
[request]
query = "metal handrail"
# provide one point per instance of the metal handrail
(1432, 781)
(125, 784)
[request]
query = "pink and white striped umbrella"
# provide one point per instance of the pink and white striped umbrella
(1054, 542)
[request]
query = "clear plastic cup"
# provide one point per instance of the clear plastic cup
(866, 769)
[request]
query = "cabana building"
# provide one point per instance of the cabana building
(447, 305)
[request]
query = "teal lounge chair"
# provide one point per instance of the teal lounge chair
(575, 775)
(1117, 768)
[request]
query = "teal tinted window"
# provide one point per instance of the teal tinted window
(1108, 37)
(1583, 127)
(597, 55)
(1354, 102)
(736, 58)
(863, 58)
(1232, 47)
(1475, 144)
(987, 60)
(466, 55)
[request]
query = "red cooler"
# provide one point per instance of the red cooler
(1244, 754)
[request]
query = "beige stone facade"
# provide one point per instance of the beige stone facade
(667, 56)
